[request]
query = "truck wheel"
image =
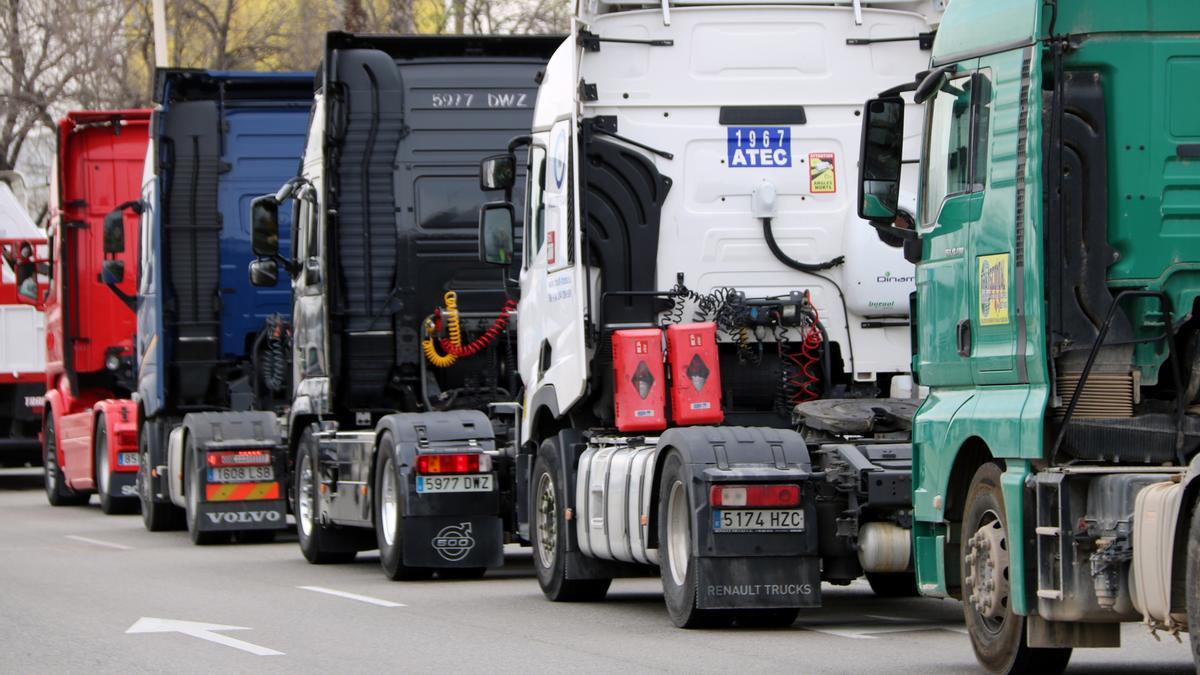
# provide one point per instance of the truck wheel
(108, 504)
(997, 633)
(57, 492)
(192, 488)
(389, 519)
(156, 516)
(548, 533)
(676, 564)
(321, 544)
(1193, 584)
(893, 584)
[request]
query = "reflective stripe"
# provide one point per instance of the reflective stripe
(239, 492)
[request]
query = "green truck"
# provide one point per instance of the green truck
(1055, 468)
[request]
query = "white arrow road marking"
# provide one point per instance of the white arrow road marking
(97, 542)
(196, 629)
(352, 596)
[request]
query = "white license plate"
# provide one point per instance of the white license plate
(470, 483)
(758, 520)
(127, 459)
(240, 474)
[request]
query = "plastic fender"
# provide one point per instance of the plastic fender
(235, 431)
(443, 428)
(736, 454)
(120, 422)
(543, 402)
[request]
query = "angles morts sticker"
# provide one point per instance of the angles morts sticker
(993, 289)
(822, 173)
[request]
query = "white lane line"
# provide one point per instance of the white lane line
(352, 596)
(97, 542)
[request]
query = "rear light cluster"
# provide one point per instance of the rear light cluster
(239, 458)
(754, 495)
(126, 439)
(474, 462)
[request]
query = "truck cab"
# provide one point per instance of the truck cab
(212, 347)
(1055, 483)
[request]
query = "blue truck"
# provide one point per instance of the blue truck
(213, 351)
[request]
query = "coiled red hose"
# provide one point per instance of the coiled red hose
(483, 341)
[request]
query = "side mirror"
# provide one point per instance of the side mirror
(114, 231)
(880, 159)
(113, 271)
(312, 272)
(264, 272)
(498, 172)
(496, 233)
(264, 228)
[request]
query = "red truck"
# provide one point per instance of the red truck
(90, 424)
(22, 359)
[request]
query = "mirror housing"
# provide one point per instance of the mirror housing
(113, 271)
(880, 159)
(496, 233)
(498, 172)
(264, 228)
(114, 231)
(264, 272)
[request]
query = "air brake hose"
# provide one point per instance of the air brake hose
(431, 352)
(454, 345)
(784, 258)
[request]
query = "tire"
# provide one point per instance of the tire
(321, 544)
(192, 488)
(766, 618)
(548, 534)
(893, 584)
(461, 573)
(997, 633)
(57, 492)
(156, 516)
(108, 504)
(676, 563)
(1193, 584)
(389, 516)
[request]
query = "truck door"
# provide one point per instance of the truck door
(958, 335)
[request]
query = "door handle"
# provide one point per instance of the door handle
(963, 338)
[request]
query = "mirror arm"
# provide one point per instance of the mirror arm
(134, 205)
(900, 232)
(898, 89)
(292, 267)
(932, 82)
(128, 300)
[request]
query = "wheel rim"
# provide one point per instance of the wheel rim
(986, 573)
(678, 534)
(304, 505)
(389, 506)
(547, 522)
(102, 477)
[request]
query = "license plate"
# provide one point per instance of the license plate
(240, 474)
(127, 459)
(471, 483)
(758, 520)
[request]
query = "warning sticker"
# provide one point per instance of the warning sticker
(822, 176)
(993, 289)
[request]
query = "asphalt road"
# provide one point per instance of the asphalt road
(74, 582)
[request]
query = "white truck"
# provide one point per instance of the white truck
(690, 235)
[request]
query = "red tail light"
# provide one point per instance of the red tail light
(754, 495)
(239, 458)
(126, 439)
(454, 463)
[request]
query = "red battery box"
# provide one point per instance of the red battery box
(695, 374)
(640, 391)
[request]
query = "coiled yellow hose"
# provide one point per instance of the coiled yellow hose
(427, 345)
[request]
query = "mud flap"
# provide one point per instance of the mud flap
(757, 583)
(240, 516)
(476, 541)
(122, 484)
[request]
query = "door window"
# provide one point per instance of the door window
(535, 218)
(957, 115)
